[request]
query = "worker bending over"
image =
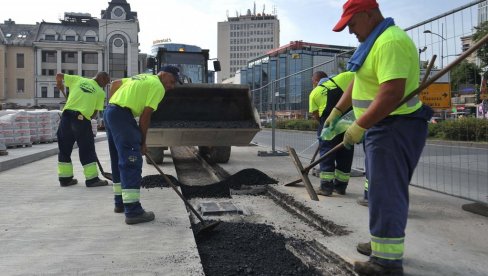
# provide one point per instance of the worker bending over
(86, 97)
(133, 97)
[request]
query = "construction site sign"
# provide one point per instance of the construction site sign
(438, 94)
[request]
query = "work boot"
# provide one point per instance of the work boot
(341, 191)
(73, 181)
(97, 183)
(374, 269)
(326, 188)
(340, 187)
(144, 217)
(364, 248)
(119, 209)
(362, 201)
(324, 192)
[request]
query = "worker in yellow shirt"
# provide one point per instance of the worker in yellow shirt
(86, 98)
(386, 72)
(133, 97)
(335, 169)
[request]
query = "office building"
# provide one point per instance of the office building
(287, 71)
(245, 37)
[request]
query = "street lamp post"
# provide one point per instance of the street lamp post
(421, 51)
(442, 42)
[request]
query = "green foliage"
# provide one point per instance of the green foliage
(465, 73)
(308, 125)
(464, 129)
(481, 31)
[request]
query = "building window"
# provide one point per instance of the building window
(20, 60)
(44, 92)
(47, 72)
(49, 37)
(20, 86)
(70, 38)
(49, 56)
(89, 73)
(69, 57)
(56, 92)
(89, 58)
(91, 39)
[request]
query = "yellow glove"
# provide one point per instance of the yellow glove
(334, 116)
(353, 135)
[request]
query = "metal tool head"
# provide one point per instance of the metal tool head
(207, 227)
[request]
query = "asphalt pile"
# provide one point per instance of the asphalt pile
(158, 181)
(221, 189)
(247, 249)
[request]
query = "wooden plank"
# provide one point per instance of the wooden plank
(303, 175)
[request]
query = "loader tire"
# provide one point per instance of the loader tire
(157, 154)
(203, 150)
(219, 154)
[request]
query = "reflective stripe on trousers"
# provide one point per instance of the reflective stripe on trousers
(392, 151)
(124, 140)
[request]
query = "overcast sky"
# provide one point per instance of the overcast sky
(195, 22)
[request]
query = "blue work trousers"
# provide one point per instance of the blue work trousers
(71, 129)
(340, 160)
(124, 141)
(393, 148)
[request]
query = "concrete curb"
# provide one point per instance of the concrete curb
(32, 157)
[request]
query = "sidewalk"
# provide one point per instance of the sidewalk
(441, 238)
(47, 229)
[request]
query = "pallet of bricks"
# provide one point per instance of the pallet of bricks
(15, 129)
(43, 125)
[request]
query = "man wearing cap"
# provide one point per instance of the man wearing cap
(387, 70)
(137, 96)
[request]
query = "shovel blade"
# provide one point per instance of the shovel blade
(107, 175)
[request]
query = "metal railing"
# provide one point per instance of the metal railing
(458, 168)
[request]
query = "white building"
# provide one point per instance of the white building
(79, 44)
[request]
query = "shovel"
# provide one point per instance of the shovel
(206, 226)
(107, 175)
(304, 171)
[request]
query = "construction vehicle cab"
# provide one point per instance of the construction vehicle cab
(198, 112)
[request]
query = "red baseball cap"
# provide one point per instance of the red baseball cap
(350, 8)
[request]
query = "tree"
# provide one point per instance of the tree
(465, 74)
(481, 31)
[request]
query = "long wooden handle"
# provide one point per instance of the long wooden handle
(176, 190)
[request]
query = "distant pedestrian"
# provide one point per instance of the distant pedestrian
(387, 71)
(335, 169)
(86, 97)
(133, 97)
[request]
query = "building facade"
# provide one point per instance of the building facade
(17, 62)
(245, 37)
(77, 45)
(284, 76)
